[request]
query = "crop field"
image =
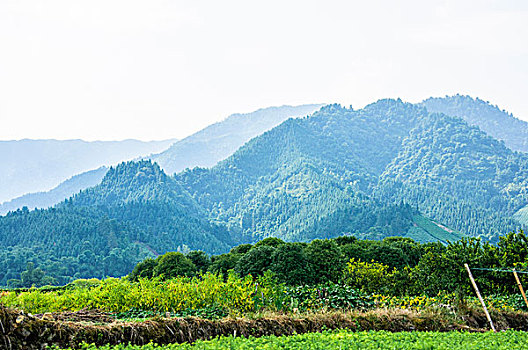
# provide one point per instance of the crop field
(343, 339)
(256, 312)
(210, 296)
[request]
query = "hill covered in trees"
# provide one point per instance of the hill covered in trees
(389, 169)
(347, 171)
(491, 119)
(136, 211)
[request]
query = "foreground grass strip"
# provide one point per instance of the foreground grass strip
(508, 340)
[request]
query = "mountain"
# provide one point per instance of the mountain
(135, 212)
(391, 168)
(65, 190)
(459, 175)
(218, 141)
(204, 148)
(491, 119)
(39, 165)
(345, 171)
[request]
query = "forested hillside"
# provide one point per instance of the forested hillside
(459, 176)
(345, 171)
(310, 177)
(137, 211)
(220, 140)
(390, 169)
(491, 119)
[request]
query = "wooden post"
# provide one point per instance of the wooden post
(480, 297)
(520, 286)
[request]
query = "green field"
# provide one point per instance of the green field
(426, 230)
(508, 340)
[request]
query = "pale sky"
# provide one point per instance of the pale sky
(107, 69)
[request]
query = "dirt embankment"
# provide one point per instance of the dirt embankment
(22, 331)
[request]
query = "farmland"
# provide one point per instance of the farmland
(187, 310)
(187, 299)
(509, 340)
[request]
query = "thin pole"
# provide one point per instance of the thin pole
(520, 286)
(480, 297)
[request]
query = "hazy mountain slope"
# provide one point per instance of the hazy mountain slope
(348, 171)
(218, 141)
(494, 121)
(65, 190)
(309, 178)
(205, 148)
(39, 165)
(459, 175)
(137, 210)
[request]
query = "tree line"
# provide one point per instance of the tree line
(393, 266)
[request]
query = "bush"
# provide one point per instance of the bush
(370, 277)
(144, 269)
(289, 264)
(199, 259)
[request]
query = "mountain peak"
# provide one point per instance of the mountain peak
(133, 181)
(498, 123)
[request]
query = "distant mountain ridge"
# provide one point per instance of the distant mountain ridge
(218, 141)
(490, 118)
(39, 165)
(64, 190)
(204, 148)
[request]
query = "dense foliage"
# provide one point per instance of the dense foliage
(392, 266)
(137, 211)
(491, 119)
(390, 169)
(367, 172)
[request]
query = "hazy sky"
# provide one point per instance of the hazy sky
(103, 69)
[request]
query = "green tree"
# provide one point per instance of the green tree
(289, 264)
(256, 261)
(325, 260)
(200, 260)
(223, 263)
(174, 264)
(144, 269)
(241, 249)
(32, 277)
(270, 241)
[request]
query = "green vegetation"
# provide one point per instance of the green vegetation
(390, 169)
(426, 230)
(491, 119)
(342, 273)
(135, 213)
(235, 294)
(343, 339)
